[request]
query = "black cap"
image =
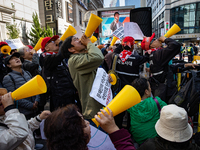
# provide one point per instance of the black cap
(7, 59)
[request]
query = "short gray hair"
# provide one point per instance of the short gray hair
(21, 50)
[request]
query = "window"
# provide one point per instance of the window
(69, 12)
(163, 14)
(80, 18)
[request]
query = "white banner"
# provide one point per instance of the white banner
(132, 29)
(119, 33)
(14, 43)
(101, 88)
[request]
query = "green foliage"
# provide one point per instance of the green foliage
(13, 30)
(37, 32)
(48, 32)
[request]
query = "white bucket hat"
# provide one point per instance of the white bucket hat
(173, 124)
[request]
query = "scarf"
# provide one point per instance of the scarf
(124, 55)
(152, 50)
(48, 53)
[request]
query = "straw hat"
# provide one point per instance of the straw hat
(173, 124)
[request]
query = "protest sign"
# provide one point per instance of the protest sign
(119, 33)
(132, 29)
(14, 43)
(101, 88)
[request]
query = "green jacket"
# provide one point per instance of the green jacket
(83, 68)
(144, 116)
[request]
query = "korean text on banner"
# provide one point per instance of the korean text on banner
(101, 88)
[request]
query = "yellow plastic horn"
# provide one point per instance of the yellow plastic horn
(33, 87)
(113, 41)
(5, 49)
(69, 32)
(114, 78)
(124, 100)
(93, 23)
(38, 45)
(93, 39)
(173, 30)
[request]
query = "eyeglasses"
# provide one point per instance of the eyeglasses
(50, 42)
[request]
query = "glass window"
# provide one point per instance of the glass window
(198, 5)
(191, 30)
(192, 7)
(187, 7)
(186, 16)
(163, 14)
(198, 15)
(176, 9)
(185, 31)
(80, 17)
(191, 23)
(192, 15)
(186, 24)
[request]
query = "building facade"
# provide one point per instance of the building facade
(19, 12)
(186, 14)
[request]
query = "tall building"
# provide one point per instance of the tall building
(19, 12)
(129, 2)
(184, 13)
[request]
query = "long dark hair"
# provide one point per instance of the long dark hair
(64, 129)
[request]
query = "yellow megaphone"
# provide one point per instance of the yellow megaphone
(69, 32)
(124, 100)
(93, 23)
(5, 49)
(93, 39)
(38, 45)
(113, 41)
(173, 30)
(33, 87)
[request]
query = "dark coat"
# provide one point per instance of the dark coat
(62, 90)
(158, 143)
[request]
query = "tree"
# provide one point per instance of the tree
(36, 30)
(48, 32)
(13, 30)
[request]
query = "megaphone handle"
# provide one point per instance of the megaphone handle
(95, 121)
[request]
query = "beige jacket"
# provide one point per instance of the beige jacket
(83, 68)
(18, 135)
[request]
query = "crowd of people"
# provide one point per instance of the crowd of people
(69, 69)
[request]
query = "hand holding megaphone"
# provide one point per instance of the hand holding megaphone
(106, 121)
(6, 100)
(85, 40)
(162, 39)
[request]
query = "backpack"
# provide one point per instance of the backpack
(189, 95)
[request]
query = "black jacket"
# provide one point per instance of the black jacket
(159, 59)
(56, 73)
(129, 70)
(158, 143)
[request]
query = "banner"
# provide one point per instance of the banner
(119, 33)
(101, 88)
(132, 29)
(14, 43)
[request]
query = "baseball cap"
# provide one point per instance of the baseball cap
(146, 42)
(47, 40)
